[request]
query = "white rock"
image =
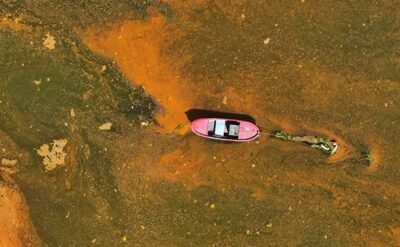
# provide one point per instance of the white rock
(105, 126)
(225, 100)
(49, 42)
(37, 82)
(72, 113)
(53, 154)
(8, 162)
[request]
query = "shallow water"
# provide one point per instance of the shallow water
(309, 68)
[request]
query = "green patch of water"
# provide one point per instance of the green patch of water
(75, 204)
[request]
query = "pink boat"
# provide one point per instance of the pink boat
(225, 129)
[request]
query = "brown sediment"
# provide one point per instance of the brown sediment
(175, 167)
(234, 10)
(322, 88)
(396, 235)
(258, 193)
(282, 123)
(196, 163)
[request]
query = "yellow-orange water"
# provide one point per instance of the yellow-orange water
(137, 48)
(14, 24)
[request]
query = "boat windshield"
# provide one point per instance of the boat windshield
(219, 127)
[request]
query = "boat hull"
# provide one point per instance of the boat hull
(225, 129)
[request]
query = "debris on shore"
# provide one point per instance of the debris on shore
(368, 157)
(327, 145)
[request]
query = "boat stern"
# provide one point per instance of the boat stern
(200, 126)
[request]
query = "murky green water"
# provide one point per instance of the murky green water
(72, 206)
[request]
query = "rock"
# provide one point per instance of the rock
(225, 100)
(49, 42)
(55, 156)
(144, 123)
(8, 162)
(37, 82)
(105, 126)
